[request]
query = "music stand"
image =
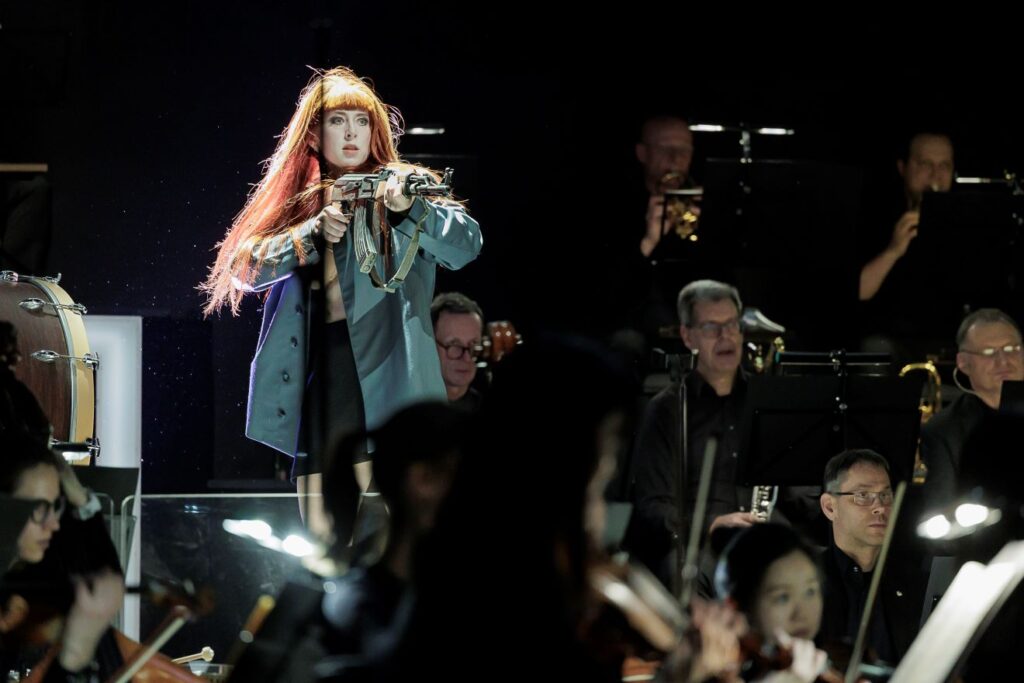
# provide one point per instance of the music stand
(1011, 398)
(115, 484)
(959, 620)
(772, 227)
(991, 452)
(792, 426)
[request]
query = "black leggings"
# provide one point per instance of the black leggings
(331, 409)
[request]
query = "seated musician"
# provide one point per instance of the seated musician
(665, 152)
(896, 274)
(709, 314)
(989, 353)
(858, 502)
(770, 575)
(66, 567)
(458, 328)
(927, 166)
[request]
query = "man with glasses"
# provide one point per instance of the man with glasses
(989, 353)
(458, 327)
(709, 314)
(857, 500)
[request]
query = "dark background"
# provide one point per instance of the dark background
(154, 120)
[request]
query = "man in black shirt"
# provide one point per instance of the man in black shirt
(898, 273)
(928, 167)
(858, 502)
(989, 353)
(713, 392)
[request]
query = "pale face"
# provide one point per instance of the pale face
(789, 598)
(346, 135)
(451, 331)
(41, 483)
(857, 527)
(988, 372)
(715, 335)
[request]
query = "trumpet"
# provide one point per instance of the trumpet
(681, 211)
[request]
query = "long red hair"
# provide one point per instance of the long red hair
(290, 191)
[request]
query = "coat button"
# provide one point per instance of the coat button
(298, 308)
(285, 376)
(294, 342)
(280, 412)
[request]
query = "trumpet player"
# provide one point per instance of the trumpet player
(665, 151)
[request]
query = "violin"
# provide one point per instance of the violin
(648, 623)
(42, 625)
(648, 608)
(870, 668)
(759, 659)
(156, 669)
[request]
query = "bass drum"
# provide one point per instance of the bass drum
(56, 363)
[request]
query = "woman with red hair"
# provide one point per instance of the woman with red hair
(376, 354)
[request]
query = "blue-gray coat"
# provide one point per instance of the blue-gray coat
(392, 335)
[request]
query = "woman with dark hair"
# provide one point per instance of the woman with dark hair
(377, 353)
(768, 573)
(66, 565)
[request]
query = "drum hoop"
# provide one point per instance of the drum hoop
(83, 385)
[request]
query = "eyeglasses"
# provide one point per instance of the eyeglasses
(455, 350)
(712, 330)
(992, 352)
(43, 508)
(867, 498)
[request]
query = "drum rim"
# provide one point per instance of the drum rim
(83, 384)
